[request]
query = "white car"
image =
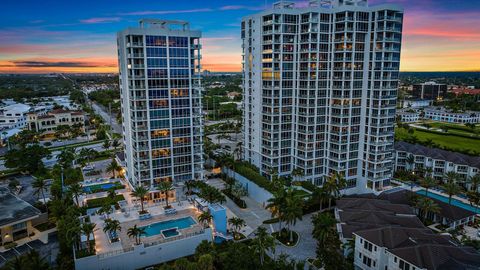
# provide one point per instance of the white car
(89, 168)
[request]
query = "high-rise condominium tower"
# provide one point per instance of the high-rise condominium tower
(161, 102)
(320, 88)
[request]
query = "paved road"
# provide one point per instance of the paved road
(117, 128)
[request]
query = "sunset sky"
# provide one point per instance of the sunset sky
(79, 36)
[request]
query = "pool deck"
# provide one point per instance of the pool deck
(130, 217)
(430, 190)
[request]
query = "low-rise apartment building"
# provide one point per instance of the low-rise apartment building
(388, 235)
(440, 161)
(443, 115)
(408, 116)
(408, 248)
(48, 123)
(416, 103)
(13, 115)
(16, 216)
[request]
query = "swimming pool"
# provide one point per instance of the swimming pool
(100, 187)
(168, 228)
(455, 202)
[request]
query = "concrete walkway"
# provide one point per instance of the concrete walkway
(254, 214)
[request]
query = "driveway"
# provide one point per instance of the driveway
(306, 245)
(254, 214)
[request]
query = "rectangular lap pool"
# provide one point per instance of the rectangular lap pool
(168, 228)
(454, 201)
(100, 187)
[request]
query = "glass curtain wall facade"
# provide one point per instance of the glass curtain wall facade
(161, 102)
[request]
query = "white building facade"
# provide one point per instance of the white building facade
(320, 89)
(439, 161)
(443, 115)
(408, 116)
(14, 115)
(161, 102)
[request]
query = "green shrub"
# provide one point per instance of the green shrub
(99, 202)
(251, 173)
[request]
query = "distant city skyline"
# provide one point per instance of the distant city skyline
(58, 36)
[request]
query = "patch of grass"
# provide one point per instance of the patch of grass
(45, 226)
(449, 142)
(284, 237)
(99, 202)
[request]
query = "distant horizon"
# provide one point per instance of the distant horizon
(438, 36)
(116, 73)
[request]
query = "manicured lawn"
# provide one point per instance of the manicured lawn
(99, 202)
(449, 141)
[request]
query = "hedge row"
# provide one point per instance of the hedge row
(239, 202)
(251, 173)
(99, 202)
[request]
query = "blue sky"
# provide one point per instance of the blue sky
(75, 36)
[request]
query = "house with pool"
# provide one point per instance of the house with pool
(168, 234)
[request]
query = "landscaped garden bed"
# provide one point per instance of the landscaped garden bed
(286, 238)
(99, 202)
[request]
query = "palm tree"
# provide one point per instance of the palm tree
(323, 227)
(106, 208)
(165, 187)
(106, 144)
(293, 209)
(474, 199)
(428, 182)
(451, 177)
(66, 157)
(112, 226)
(111, 193)
(236, 223)
(113, 167)
(410, 161)
(88, 229)
(205, 218)
(140, 192)
(451, 188)
(86, 154)
(75, 189)
(276, 205)
(333, 185)
(40, 186)
(297, 172)
(136, 232)
(474, 182)
(263, 242)
(115, 144)
(321, 195)
(189, 185)
(427, 205)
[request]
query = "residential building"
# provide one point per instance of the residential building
(16, 216)
(320, 89)
(417, 103)
(440, 161)
(47, 123)
(450, 216)
(388, 235)
(464, 91)
(13, 116)
(430, 90)
(408, 116)
(356, 214)
(161, 103)
(395, 247)
(443, 115)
